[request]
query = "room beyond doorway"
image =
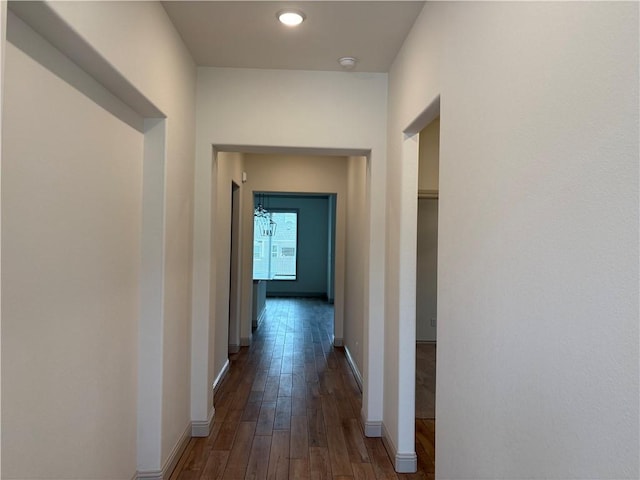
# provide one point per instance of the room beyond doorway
(293, 244)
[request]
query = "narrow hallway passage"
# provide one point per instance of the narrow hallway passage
(289, 408)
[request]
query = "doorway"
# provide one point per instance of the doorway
(234, 273)
(426, 293)
(346, 180)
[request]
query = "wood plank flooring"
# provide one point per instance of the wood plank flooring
(289, 409)
(426, 380)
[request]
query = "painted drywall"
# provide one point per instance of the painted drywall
(230, 167)
(354, 285)
(310, 112)
(538, 253)
(151, 60)
(3, 41)
(235, 276)
(331, 241)
(429, 157)
(295, 174)
(71, 213)
(313, 235)
(150, 53)
(427, 270)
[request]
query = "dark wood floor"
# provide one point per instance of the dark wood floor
(426, 380)
(289, 408)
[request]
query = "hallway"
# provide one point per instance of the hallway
(289, 408)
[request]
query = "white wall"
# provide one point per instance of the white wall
(354, 285)
(3, 41)
(538, 243)
(312, 112)
(235, 276)
(71, 213)
(230, 167)
(150, 65)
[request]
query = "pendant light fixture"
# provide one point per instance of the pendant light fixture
(265, 221)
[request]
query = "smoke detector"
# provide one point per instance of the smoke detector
(347, 62)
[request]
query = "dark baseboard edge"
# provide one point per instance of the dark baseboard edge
(354, 368)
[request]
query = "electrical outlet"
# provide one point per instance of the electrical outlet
(433, 321)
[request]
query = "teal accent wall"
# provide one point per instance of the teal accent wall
(313, 245)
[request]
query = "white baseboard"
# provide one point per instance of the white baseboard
(402, 462)
(200, 428)
(406, 462)
(176, 453)
(371, 428)
(220, 377)
(233, 348)
(338, 342)
(354, 367)
(245, 341)
(150, 475)
(171, 462)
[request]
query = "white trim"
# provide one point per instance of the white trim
(372, 429)
(176, 453)
(201, 428)
(406, 462)
(402, 462)
(388, 443)
(280, 150)
(428, 115)
(354, 367)
(245, 341)
(221, 375)
(234, 348)
(152, 294)
(338, 341)
(150, 475)
(172, 459)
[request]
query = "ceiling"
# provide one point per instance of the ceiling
(246, 34)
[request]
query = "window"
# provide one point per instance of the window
(258, 248)
(278, 234)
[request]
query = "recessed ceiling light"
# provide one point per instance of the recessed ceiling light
(291, 18)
